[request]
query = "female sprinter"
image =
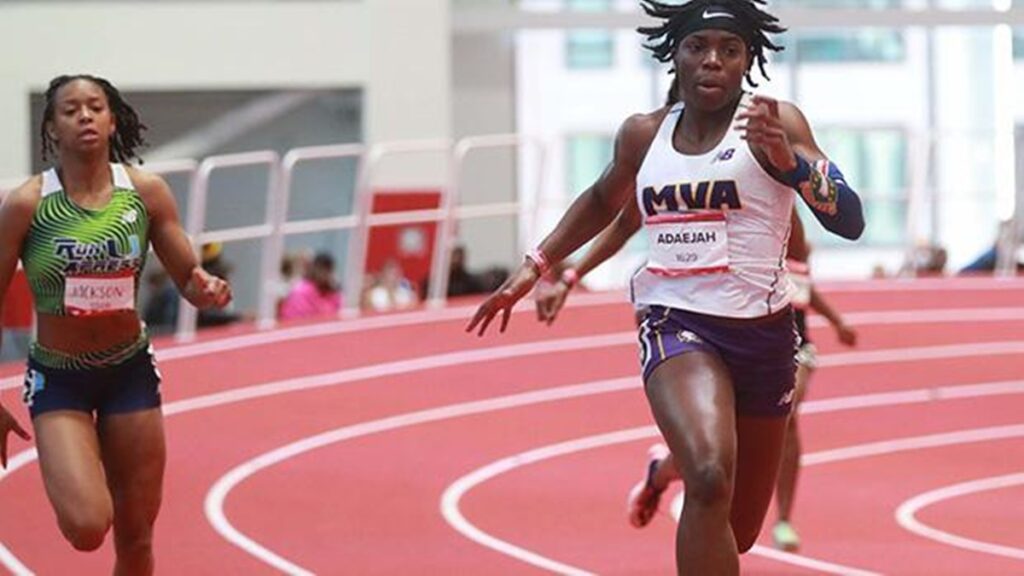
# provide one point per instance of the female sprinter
(660, 470)
(82, 230)
(714, 178)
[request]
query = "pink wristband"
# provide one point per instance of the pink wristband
(539, 260)
(570, 277)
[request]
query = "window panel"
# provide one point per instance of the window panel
(864, 45)
(589, 49)
(587, 157)
(874, 162)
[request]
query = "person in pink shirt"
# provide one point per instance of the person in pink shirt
(316, 294)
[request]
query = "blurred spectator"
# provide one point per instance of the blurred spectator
(316, 294)
(389, 290)
(213, 261)
(294, 267)
(988, 260)
(925, 260)
(462, 282)
(161, 310)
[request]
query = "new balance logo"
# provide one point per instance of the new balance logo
(725, 155)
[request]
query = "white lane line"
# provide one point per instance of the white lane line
(214, 504)
(520, 350)
(923, 284)
(372, 372)
(453, 494)
(392, 368)
(177, 352)
(11, 562)
(382, 322)
(218, 493)
(907, 511)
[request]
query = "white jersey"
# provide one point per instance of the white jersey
(718, 225)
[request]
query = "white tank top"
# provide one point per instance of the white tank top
(718, 225)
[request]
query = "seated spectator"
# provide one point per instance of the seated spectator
(294, 268)
(161, 310)
(925, 260)
(213, 261)
(389, 290)
(462, 282)
(316, 294)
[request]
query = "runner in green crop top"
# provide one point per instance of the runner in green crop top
(82, 231)
(66, 242)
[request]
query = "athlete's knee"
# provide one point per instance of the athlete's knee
(711, 484)
(85, 530)
(135, 543)
(746, 538)
(745, 534)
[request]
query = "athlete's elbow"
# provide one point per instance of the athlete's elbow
(853, 230)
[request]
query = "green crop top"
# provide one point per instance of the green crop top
(80, 261)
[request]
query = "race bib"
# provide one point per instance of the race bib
(688, 244)
(89, 295)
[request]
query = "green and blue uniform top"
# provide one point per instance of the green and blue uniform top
(82, 261)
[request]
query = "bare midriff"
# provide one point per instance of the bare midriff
(79, 335)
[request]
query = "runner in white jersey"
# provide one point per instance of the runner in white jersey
(717, 225)
(717, 361)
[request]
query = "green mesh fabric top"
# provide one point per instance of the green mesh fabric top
(68, 240)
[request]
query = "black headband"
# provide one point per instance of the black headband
(716, 18)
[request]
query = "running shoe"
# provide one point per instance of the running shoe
(644, 497)
(785, 537)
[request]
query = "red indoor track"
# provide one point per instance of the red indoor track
(402, 445)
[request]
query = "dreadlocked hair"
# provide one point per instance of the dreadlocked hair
(663, 39)
(128, 129)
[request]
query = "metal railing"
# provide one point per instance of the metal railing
(196, 222)
(284, 228)
(452, 212)
(280, 186)
(356, 260)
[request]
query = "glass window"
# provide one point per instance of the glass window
(874, 162)
(587, 157)
(870, 4)
(863, 45)
(589, 49)
(1018, 44)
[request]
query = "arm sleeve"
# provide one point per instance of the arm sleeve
(825, 191)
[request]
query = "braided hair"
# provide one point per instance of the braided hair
(664, 38)
(128, 130)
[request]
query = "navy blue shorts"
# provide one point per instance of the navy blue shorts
(759, 354)
(130, 386)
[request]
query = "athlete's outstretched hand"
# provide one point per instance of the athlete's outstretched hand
(846, 335)
(204, 290)
(763, 129)
(504, 298)
(550, 299)
(9, 424)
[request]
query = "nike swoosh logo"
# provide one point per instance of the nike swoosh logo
(710, 15)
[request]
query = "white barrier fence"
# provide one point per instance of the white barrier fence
(276, 226)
